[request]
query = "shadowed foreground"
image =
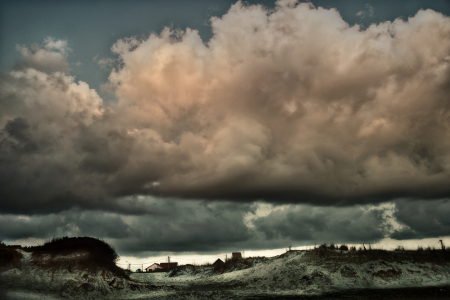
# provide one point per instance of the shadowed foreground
(83, 268)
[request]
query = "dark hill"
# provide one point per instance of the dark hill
(76, 253)
(75, 268)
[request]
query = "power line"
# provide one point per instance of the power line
(172, 258)
(145, 263)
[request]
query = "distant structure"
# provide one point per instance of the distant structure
(168, 265)
(218, 262)
(153, 267)
(236, 255)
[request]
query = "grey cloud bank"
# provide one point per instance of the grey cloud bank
(200, 226)
(290, 105)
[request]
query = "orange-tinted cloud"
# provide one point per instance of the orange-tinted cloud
(289, 105)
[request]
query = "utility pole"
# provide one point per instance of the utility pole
(226, 257)
(168, 259)
(442, 245)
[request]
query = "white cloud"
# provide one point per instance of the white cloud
(49, 57)
(368, 12)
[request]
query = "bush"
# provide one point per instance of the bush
(400, 248)
(9, 258)
(331, 247)
(81, 253)
(353, 249)
(343, 247)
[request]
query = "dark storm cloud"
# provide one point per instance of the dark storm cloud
(200, 226)
(18, 129)
(169, 225)
(422, 219)
(290, 105)
(325, 224)
(72, 222)
(188, 226)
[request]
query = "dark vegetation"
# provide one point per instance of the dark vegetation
(77, 253)
(86, 253)
(9, 258)
(367, 253)
(228, 266)
(333, 253)
(238, 264)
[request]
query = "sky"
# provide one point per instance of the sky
(199, 128)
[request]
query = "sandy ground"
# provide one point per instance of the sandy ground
(295, 275)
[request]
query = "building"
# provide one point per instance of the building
(166, 265)
(153, 267)
(218, 262)
(236, 255)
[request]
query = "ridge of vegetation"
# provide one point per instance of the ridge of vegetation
(70, 253)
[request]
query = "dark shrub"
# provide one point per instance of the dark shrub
(77, 253)
(9, 258)
(343, 247)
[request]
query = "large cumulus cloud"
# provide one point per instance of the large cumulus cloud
(42, 117)
(288, 105)
(292, 105)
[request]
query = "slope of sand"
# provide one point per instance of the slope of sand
(295, 273)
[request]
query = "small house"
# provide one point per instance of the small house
(218, 262)
(236, 255)
(153, 267)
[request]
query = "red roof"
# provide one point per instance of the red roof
(166, 265)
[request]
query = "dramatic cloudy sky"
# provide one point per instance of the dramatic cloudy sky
(207, 127)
